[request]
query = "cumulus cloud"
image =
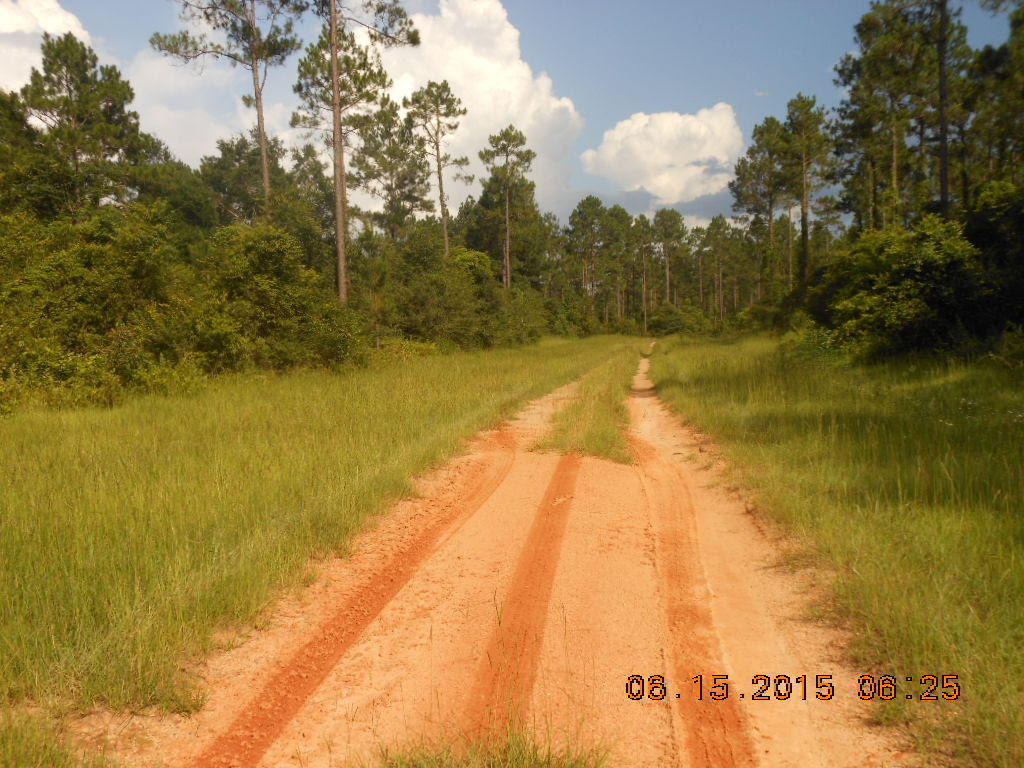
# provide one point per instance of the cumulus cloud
(675, 157)
(473, 45)
(187, 110)
(22, 24)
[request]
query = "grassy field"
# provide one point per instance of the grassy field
(908, 478)
(595, 422)
(131, 534)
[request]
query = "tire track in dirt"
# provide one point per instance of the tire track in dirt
(508, 670)
(716, 732)
(256, 728)
(731, 612)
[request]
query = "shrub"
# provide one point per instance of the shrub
(898, 292)
(668, 319)
(90, 309)
(265, 308)
(996, 228)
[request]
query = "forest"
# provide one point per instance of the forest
(889, 225)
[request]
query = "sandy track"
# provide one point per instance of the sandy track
(530, 586)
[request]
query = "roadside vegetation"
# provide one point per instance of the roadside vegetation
(30, 742)
(595, 422)
(131, 533)
(906, 478)
(516, 750)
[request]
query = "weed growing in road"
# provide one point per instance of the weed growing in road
(595, 422)
(516, 750)
(908, 478)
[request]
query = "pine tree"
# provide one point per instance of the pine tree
(257, 35)
(435, 110)
(88, 127)
(392, 165)
(508, 159)
(388, 24)
(809, 148)
(333, 93)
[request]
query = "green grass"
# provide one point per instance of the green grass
(131, 534)
(30, 742)
(595, 422)
(908, 478)
(514, 751)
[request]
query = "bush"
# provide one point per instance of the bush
(668, 319)
(897, 292)
(265, 308)
(90, 309)
(996, 228)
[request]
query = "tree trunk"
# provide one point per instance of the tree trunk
(440, 193)
(789, 247)
(718, 286)
(668, 273)
(805, 211)
(338, 143)
(894, 188)
(700, 280)
(965, 180)
(261, 128)
(261, 135)
(943, 46)
(871, 218)
(643, 292)
(508, 240)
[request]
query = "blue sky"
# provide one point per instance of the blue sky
(567, 71)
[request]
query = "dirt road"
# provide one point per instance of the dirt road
(531, 586)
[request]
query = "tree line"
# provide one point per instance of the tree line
(921, 164)
(890, 223)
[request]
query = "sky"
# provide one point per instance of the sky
(647, 103)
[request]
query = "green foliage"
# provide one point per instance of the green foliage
(667, 320)
(515, 750)
(996, 228)
(91, 308)
(361, 80)
(31, 742)
(268, 309)
(391, 165)
(89, 135)
(898, 292)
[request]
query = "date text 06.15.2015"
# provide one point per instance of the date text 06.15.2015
(798, 688)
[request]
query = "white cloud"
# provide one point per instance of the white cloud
(675, 157)
(473, 45)
(186, 110)
(22, 24)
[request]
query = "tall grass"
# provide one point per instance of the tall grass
(30, 742)
(130, 534)
(595, 422)
(516, 750)
(909, 477)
